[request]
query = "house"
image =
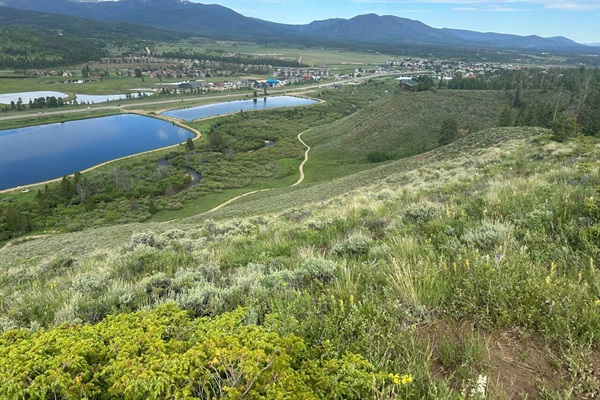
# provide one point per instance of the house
(407, 84)
(260, 83)
(189, 85)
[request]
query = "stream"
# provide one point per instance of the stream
(196, 177)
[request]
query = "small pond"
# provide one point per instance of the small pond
(100, 98)
(88, 98)
(262, 103)
(6, 98)
(39, 153)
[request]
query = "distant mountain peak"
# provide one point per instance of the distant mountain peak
(215, 21)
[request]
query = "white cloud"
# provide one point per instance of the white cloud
(495, 8)
(576, 5)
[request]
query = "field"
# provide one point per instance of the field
(229, 156)
(310, 56)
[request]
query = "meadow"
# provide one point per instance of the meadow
(336, 59)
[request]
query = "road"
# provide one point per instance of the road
(113, 107)
(161, 102)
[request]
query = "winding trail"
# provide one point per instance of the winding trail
(25, 239)
(234, 199)
(301, 168)
(299, 181)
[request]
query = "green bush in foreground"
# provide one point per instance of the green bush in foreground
(165, 354)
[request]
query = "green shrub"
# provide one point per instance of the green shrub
(165, 354)
(201, 300)
(89, 283)
(422, 212)
(313, 270)
(158, 285)
(7, 324)
(487, 236)
(378, 156)
(187, 278)
(144, 238)
(356, 243)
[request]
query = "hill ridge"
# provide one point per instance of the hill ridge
(216, 21)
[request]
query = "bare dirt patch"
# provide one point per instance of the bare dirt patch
(516, 366)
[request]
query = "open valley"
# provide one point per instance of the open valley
(416, 217)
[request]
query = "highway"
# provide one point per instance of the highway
(161, 102)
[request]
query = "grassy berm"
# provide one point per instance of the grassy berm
(470, 271)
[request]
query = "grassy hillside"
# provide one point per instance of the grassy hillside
(405, 124)
(398, 125)
(471, 269)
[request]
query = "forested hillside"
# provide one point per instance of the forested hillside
(41, 40)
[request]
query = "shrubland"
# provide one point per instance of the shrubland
(468, 271)
(447, 269)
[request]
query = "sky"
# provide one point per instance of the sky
(578, 20)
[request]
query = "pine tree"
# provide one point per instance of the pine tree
(506, 117)
(564, 126)
(189, 144)
(448, 131)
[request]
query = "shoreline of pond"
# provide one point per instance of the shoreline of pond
(174, 120)
(253, 101)
(197, 134)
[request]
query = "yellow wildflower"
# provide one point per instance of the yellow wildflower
(403, 379)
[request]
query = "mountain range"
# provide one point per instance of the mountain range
(218, 22)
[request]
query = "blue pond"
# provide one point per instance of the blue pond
(39, 153)
(210, 110)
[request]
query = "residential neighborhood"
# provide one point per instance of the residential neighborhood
(192, 75)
